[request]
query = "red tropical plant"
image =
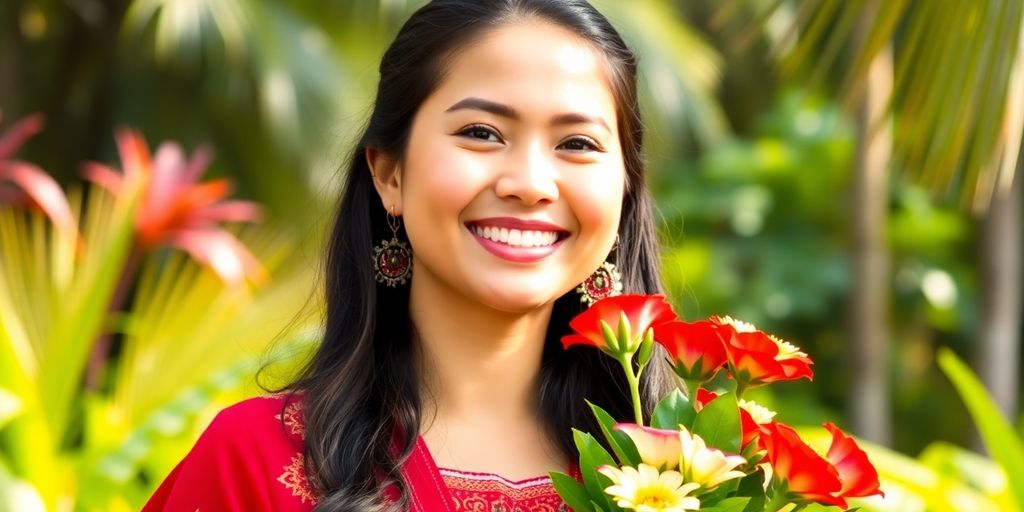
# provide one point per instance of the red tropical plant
(35, 188)
(757, 358)
(176, 210)
(641, 312)
(696, 349)
(806, 476)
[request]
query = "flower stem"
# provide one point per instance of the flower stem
(633, 378)
(692, 386)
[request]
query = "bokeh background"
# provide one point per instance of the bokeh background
(839, 173)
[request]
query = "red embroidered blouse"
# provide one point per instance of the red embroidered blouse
(250, 458)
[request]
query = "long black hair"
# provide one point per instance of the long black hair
(361, 387)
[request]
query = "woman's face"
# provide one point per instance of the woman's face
(511, 187)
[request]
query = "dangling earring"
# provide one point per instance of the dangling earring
(606, 281)
(392, 259)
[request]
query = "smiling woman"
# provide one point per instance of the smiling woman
(502, 162)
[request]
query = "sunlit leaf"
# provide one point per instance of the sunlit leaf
(956, 97)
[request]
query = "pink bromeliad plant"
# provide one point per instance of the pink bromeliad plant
(703, 450)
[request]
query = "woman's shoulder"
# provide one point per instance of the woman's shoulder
(275, 414)
(250, 457)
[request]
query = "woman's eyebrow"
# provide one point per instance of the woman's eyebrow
(497, 109)
(506, 111)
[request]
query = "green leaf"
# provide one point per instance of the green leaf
(818, 507)
(738, 504)
(621, 444)
(592, 456)
(999, 436)
(572, 492)
(718, 423)
(752, 486)
(673, 410)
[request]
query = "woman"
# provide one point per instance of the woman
(500, 171)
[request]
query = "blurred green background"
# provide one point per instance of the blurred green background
(839, 173)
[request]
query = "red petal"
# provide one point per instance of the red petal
(223, 253)
(688, 343)
(135, 159)
(103, 176)
(805, 472)
(166, 185)
(200, 160)
(229, 211)
(576, 339)
(643, 311)
(859, 476)
(704, 397)
(18, 133)
(42, 189)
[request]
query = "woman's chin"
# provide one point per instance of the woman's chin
(521, 299)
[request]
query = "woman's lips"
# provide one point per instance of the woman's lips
(517, 240)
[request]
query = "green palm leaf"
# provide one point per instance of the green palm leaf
(186, 325)
(958, 121)
(54, 291)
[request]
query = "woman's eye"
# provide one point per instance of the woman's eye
(580, 144)
(480, 132)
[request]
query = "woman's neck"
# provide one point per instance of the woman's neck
(480, 371)
(476, 360)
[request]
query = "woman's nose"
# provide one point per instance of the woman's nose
(530, 176)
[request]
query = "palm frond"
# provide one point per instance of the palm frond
(679, 72)
(957, 118)
(187, 326)
(54, 291)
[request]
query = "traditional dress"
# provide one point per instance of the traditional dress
(250, 459)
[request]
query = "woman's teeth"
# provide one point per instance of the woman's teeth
(516, 237)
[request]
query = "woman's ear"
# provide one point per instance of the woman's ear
(387, 179)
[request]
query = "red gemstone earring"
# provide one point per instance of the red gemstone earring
(392, 259)
(606, 281)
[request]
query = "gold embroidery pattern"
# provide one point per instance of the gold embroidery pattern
(292, 418)
(294, 478)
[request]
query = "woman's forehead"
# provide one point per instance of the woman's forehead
(531, 66)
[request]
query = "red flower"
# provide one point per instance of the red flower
(640, 311)
(757, 358)
(35, 187)
(177, 210)
(859, 476)
(696, 349)
(805, 474)
(847, 472)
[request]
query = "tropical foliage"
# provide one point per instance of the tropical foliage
(757, 132)
(196, 329)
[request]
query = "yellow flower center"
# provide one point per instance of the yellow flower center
(656, 498)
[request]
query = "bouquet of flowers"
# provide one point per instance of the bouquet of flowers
(703, 451)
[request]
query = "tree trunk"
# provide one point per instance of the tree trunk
(1001, 301)
(869, 406)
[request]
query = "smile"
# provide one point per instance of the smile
(517, 240)
(517, 237)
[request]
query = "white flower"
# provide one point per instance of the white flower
(708, 467)
(645, 489)
(759, 413)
